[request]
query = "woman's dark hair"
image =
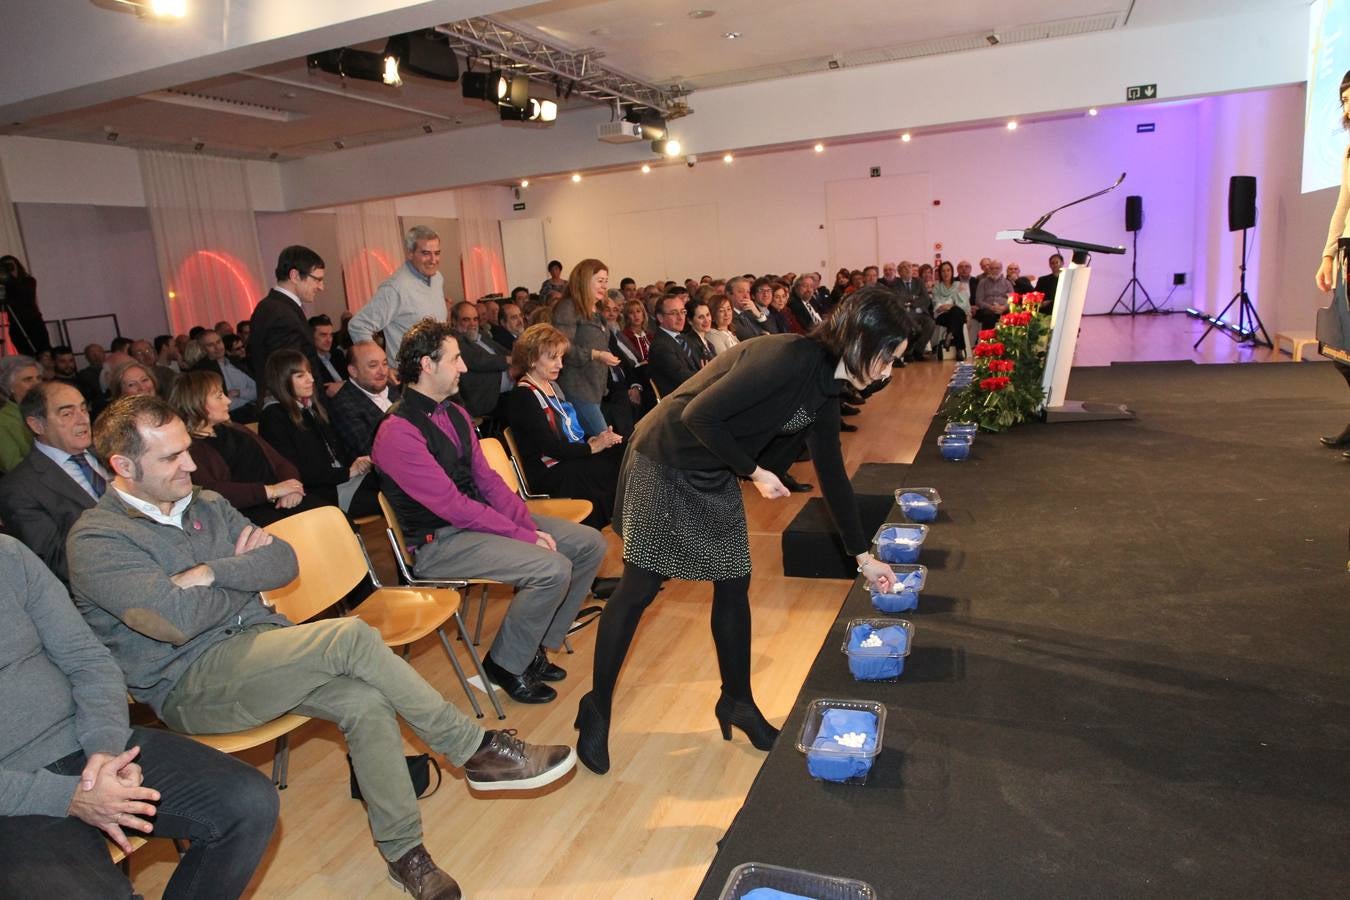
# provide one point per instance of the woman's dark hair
(689, 308)
(188, 397)
(11, 268)
(946, 264)
(866, 325)
(423, 339)
(555, 264)
(281, 366)
(1340, 103)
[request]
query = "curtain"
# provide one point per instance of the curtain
(370, 246)
(11, 244)
(206, 239)
(480, 241)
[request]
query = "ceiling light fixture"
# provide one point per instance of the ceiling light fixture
(646, 169)
(1092, 111)
(906, 137)
(666, 147)
(391, 76)
(702, 13)
(576, 177)
(1012, 124)
(480, 85)
(167, 9)
(819, 148)
(524, 182)
(731, 35)
(363, 65)
(426, 53)
(727, 157)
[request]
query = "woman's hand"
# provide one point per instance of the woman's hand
(767, 483)
(604, 440)
(1326, 275)
(360, 466)
(942, 310)
(605, 357)
(286, 494)
(878, 574)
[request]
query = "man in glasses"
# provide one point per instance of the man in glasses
(281, 319)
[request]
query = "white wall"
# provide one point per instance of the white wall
(45, 171)
(771, 213)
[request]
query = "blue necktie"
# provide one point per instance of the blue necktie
(95, 480)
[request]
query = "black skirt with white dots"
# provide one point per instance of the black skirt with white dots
(682, 523)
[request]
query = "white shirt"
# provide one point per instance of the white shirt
(282, 290)
(62, 459)
(381, 399)
(175, 516)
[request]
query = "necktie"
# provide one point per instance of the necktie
(95, 480)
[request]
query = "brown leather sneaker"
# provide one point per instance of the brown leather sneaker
(416, 873)
(509, 764)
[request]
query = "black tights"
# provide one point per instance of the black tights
(635, 592)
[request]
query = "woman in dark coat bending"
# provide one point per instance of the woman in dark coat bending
(738, 416)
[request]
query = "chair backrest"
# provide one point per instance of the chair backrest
(656, 391)
(395, 530)
(331, 557)
(496, 456)
(515, 459)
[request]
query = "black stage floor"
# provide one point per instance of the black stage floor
(1131, 666)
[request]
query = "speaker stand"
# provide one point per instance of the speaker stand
(1244, 332)
(1135, 287)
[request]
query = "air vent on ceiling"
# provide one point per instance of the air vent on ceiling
(224, 105)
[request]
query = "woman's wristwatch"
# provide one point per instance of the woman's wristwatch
(863, 559)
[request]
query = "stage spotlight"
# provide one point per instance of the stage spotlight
(426, 53)
(348, 63)
(514, 90)
(539, 112)
(547, 110)
(167, 9)
(480, 85)
(391, 76)
(668, 147)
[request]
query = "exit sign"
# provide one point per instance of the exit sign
(1141, 92)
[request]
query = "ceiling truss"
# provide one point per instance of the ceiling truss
(573, 72)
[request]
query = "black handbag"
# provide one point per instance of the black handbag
(419, 770)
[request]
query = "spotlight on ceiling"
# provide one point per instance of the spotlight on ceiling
(576, 178)
(727, 157)
(538, 112)
(819, 148)
(391, 76)
(1012, 124)
(906, 137)
(668, 147)
(646, 169)
(362, 65)
(514, 90)
(1092, 111)
(524, 182)
(480, 85)
(426, 53)
(165, 10)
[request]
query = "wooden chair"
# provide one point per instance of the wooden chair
(557, 507)
(333, 561)
(278, 730)
(656, 392)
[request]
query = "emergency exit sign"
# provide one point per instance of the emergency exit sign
(1141, 92)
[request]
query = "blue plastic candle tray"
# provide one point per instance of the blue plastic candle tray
(919, 504)
(904, 596)
(826, 739)
(898, 542)
(884, 662)
(761, 881)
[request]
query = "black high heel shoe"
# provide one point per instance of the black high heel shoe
(593, 741)
(747, 717)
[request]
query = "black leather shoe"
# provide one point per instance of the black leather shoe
(960, 356)
(794, 485)
(523, 688)
(585, 616)
(846, 410)
(544, 670)
(601, 588)
(1340, 440)
(845, 426)
(744, 715)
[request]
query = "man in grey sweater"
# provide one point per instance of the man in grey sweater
(412, 293)
(72, 770)
(169, 576)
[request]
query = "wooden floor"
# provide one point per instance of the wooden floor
(650, 827)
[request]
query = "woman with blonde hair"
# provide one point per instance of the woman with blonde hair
(557, 456)
(585, 371)
(131, 377)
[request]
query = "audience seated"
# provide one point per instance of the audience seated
(627, 389)
(230, 459)
(187, 626)
(486, 380)
(919, 305)
(91, 378)
(41, 498)
(65, 369)
(144, 353)
(296, 425)
(1021, 284)
(365, 397)
(723, 313)
(510, 323)
(1049, 284)
(673, 360)
(75, 772)
(240, 387)
(698, 326)
(951, 308)
(784, 322)
(555, 453)
(332, 370)
(462, 521)
(991, 297)
(132, 377)
(18, 375)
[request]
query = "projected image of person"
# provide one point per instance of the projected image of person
(680, 511)
(1333, 254)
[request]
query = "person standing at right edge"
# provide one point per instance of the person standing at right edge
(1326, 278)
(679, 508)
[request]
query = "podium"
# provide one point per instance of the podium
(1067, 316)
